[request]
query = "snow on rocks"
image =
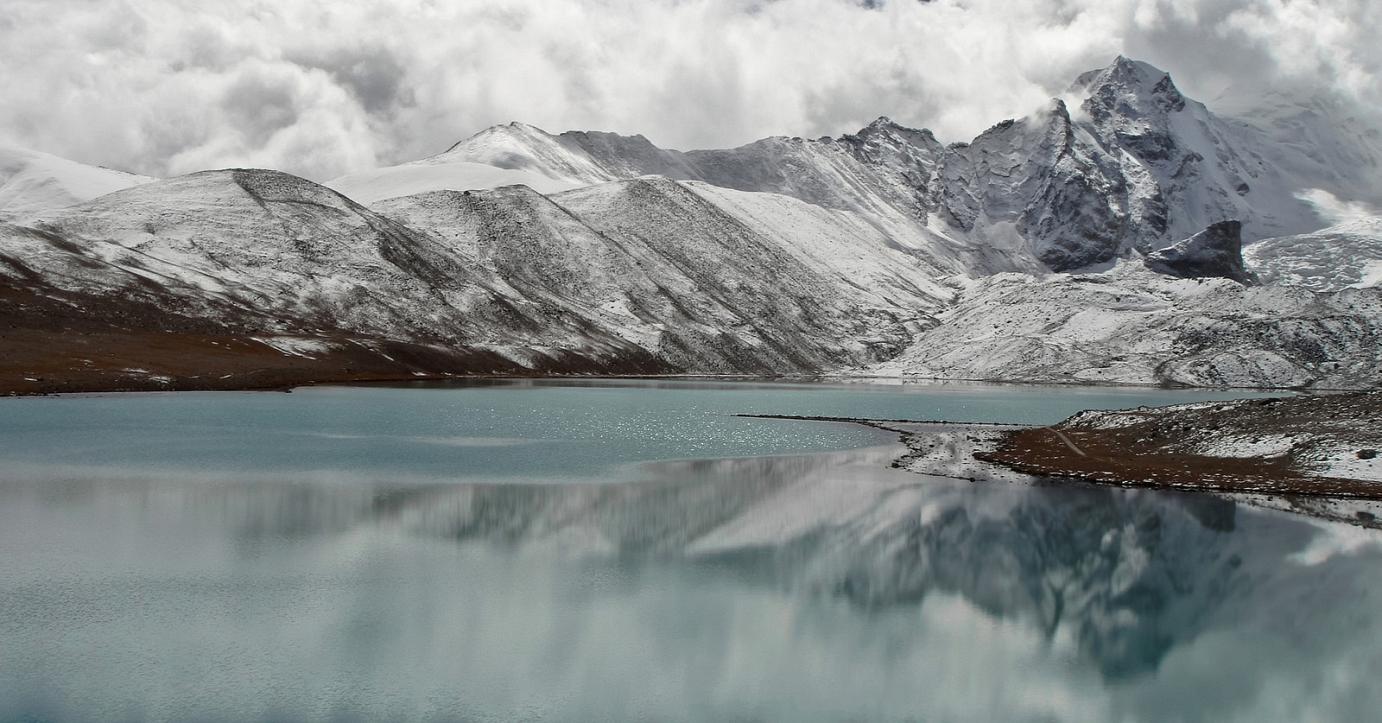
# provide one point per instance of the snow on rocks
(297, 346)
(1344, 460)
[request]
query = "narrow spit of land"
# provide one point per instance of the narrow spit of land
(1315, 445)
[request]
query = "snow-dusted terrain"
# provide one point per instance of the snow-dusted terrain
(1318, 436)
(33, 182)
(1347, 255)
(706, 278)
(1132, 325)
(1095, 240)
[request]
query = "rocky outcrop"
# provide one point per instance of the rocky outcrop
(1214, 252)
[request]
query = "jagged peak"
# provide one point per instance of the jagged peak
(1124, 77)
(1123, 70)
(1001, 126)
(883, 125)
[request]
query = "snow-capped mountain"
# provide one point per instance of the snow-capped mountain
(882, 251)
(703, 277)
(269, 253)
(1136, 165)
(32, 182)
(645, 275)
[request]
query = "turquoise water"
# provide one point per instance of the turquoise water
(559, 431)
(386, 554)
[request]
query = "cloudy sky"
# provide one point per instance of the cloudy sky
(323, 87)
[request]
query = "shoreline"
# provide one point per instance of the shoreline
(288, 379)
(974, 452)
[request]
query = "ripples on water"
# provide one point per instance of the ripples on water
(810, 586)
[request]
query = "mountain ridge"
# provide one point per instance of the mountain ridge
(1138, 165)
(1030, 253)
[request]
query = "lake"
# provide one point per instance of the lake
(630, 550)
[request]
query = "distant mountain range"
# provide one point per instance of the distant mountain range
(1070, 245)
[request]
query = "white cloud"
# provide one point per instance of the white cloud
(1336, 210)
(323, 87)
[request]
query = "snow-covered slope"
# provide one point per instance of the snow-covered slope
(1135, 326)
(521, 147)
(32, 182)
(264, 240)
(704, 278)
(503, 155)
(277, 254)
(1348, 255)
(648, 270)
(1320, 142)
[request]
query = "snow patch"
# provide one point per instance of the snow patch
(297, 346)
(1267, 445)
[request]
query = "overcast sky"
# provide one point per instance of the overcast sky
(323, 87)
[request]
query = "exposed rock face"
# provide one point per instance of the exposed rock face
(1215, 251)
(1036, 175)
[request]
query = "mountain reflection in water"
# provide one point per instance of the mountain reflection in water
(802, 587)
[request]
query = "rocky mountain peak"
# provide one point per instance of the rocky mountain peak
(886, 128)
(1129, 88)
(882, 124)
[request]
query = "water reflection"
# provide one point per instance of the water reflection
(804, 587)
